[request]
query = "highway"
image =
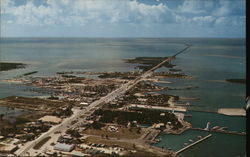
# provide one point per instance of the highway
(27, 149)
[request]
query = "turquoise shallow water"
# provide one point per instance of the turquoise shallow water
(210, 60)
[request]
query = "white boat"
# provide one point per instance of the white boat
(190, 140)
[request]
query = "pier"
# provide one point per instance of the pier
(222, 131)
(151, 135)
(192, 144)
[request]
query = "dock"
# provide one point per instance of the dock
(192, 144)
(151, 136)
(222, 131)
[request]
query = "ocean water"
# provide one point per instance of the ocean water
(210, 61)
(219, 145)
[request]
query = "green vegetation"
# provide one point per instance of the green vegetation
(41, 143)
(32, 103)
(68, 76)
(122, 75)
(5, 131)
(64, 72)
(149, 62)
(122, 132)
(241, 81)
(142, 116)
(73, 133)
(63, 112)
(4, 66)
(97, 125)
(169, 74)
(152, 100)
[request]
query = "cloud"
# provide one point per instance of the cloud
(122, 16)
(83, 11)
(195, 6)
(204, 20)
(229, 8)
(232, 21)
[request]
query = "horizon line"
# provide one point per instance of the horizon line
(130, 37)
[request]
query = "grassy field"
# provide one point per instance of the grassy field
(36, 104)
(122, 132)
(107, 142)
(41, 143)
(140, 152)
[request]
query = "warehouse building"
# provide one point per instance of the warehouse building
(64, 147)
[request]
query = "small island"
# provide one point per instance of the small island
(241, 81)
(5, 66)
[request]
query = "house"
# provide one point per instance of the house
(162, 114)
(142, 99)
(84, 104)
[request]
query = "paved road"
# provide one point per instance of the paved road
(27, 149)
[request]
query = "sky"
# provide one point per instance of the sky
(123, 18)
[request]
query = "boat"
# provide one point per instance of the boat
(216, 127)
(190, 140)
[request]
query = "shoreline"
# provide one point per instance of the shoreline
(6, 66)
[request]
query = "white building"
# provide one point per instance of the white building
(64, 147)
(84, 104)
